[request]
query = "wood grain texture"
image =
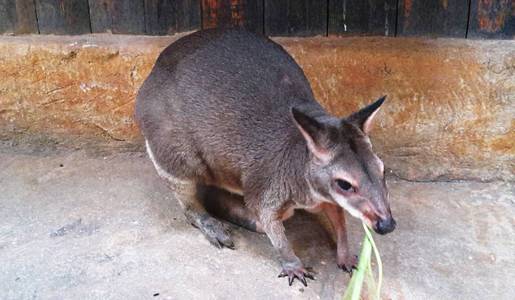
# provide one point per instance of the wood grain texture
(160, 17)
(233, 13)
(7, 16)
(433, 18)
(117, 16)
(493, 19)
(373, 17)
(26, 20)
(295, 17)
(63, 16)
(18, 17)
(188, 15)
(171, 16)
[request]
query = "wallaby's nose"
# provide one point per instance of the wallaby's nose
(385, 226)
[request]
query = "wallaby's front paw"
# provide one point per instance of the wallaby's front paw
(347, 263)
(296, 272)
(215, 232)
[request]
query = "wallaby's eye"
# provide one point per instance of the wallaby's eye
(344, 185)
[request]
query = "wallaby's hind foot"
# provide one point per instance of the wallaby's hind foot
(230, 207)
(213, 229)
(187, 193)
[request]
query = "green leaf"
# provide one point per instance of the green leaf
(364, 269)
(353, 291)
(378, 260)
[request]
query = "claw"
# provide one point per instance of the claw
(349, 266)
(215, 243)
(347, 269)
(230, 245)
(303, 280)
(215, 232)
(300, 273)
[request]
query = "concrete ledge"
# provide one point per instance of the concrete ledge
(449, 114)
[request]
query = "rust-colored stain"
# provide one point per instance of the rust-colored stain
(218, 13)
(492, 14)
(237, 12)
(76, 90)
(408, 7)
(210, 13)
(505, 143)
(445, 114)
(439, 101)
(445, 4)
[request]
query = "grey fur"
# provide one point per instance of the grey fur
(231, 109)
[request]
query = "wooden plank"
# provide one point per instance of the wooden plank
(7, 16)
(276, 17)
(494, 19)
(253, 13)
(188, 15)
(375, 17)
(295, 17)
(217, 13)
(26, 20)
(433, 18)
(160, 17)
(63, 16)
(18, 17)
(233, 13)
(117, 16)
(171, 16)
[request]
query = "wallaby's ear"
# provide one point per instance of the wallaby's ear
(314, 132)
(363, 118)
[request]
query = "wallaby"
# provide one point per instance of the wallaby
(228, 109)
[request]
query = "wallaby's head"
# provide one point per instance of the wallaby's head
(343, 168)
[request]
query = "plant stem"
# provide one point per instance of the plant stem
(356, 283)
(378, 259)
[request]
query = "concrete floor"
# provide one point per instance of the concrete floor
(76, 225)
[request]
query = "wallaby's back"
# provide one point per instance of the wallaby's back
(219, 101)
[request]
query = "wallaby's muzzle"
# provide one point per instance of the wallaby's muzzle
(384, 226)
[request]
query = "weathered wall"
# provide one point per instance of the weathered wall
(450, 110)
